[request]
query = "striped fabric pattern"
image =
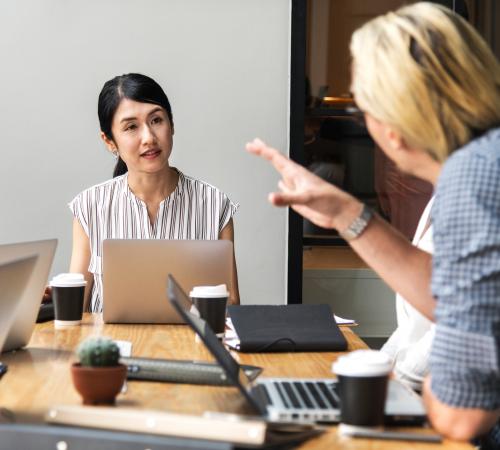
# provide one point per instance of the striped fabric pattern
(110, 210)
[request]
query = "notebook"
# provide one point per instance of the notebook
(288, 328)
(29, 301)
(291, 399)
(135, 272)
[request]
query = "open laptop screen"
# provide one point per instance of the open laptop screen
(14, 276)
(29, 301)
(181, 302)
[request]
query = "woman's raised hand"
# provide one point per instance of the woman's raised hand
(313, 198)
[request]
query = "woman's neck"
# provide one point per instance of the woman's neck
(153, 187)
(429, 172)
(419, 163)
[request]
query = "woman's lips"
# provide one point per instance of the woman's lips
(151, 154)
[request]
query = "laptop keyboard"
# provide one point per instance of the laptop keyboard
(305, 394)
(292, 399)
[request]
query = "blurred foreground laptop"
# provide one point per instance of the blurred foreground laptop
(19, 332)
(291, 399)
(135, 272)
(14, 276)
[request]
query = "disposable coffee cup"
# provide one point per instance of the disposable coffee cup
(362, 387)
(211, 302)
(67, 294)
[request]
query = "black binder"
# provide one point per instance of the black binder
(286, 328)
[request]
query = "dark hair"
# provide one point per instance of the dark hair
(133, 86)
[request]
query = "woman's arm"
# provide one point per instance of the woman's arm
(228, 234)
(404, 267)
(461, 424)
(80, 259)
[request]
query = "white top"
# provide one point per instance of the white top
(410, 344)
(110, 210)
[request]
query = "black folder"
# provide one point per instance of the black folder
(286, 328)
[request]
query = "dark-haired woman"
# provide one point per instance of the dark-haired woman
(147, 198)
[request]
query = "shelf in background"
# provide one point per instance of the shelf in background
(331, 258)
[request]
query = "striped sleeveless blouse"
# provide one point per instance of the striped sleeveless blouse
(110, 210)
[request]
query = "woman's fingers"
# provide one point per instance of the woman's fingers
(284, 186)
(289, 198)
(277, 159)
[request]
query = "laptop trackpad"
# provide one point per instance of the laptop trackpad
(403, 405)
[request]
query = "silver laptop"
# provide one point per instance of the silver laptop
(291, 399)
(135, 272)
(14, 276)
(19, 332)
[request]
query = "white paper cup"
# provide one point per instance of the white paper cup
(363, 377)
(211, 302)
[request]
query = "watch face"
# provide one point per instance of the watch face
(358, 224)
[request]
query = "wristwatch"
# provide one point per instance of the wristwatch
(358, 225)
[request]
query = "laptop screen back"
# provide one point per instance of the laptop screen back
(14, 278)
(135, 270)
(181, 302)
(25, 317)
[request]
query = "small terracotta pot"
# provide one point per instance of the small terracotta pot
(98, 385)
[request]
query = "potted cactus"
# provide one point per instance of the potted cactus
(98, 376)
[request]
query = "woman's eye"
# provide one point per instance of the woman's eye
(156, 120)
(130, 127)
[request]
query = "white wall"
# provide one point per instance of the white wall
(225, 67)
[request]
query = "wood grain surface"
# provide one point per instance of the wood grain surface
(39, 376)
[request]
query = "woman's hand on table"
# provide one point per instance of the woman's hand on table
(47, 295)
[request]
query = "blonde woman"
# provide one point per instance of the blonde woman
(429, 89)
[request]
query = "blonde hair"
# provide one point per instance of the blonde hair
(426, 72)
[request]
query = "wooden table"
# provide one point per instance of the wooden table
(39, 376)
